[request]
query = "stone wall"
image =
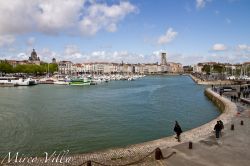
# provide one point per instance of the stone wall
(219, 103)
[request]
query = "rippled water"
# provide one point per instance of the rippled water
(45, 118)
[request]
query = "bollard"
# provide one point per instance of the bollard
(190, 145)
(158, 154)
(232, 126)
(89, 163)
(242, 123)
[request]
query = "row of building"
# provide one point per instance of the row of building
(67, 67)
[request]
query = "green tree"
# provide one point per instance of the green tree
(206, 68)
(51, 68)
(5, 67)
(218, 68)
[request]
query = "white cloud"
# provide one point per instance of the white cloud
(71, 49)
(116, 56)
(16, 16)
(186, 59)
(22, 56)
(47, 54)
(219, 47)
(102, 16)
(57, 16)
(72, 52)
(49, 16)
(200, 4)
(243, 47)
(167, 37)
(6, 40)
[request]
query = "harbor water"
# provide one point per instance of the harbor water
(48, 118)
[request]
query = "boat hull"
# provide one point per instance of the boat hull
(61, 83)
(79, 83)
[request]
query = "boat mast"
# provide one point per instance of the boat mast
(48, 69)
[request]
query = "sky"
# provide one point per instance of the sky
(132, 31)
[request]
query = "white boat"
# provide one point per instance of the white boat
(17, 81)
(231, 77)
(47, 80)
(61, 82)
(244, 77)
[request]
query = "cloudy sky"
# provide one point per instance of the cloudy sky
(133, 31)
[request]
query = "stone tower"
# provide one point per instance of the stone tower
(163, 58)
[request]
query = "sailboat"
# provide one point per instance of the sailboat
(61, 81)
(47, 79)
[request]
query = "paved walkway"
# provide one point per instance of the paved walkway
(232, 149)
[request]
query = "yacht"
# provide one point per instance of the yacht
(15, 81)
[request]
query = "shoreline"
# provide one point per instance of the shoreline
(128, 154)
(218, 82)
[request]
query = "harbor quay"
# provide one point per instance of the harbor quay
(213, 82)
(198, 146)
(202, 81)
(124, 83)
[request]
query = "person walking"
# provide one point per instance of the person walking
(221, 127)
(239, 94)
(177, 130)
(217, 129)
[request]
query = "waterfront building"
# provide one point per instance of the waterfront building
(77, 68)
(34, 59)
(136, 68)
(174, 67)
(151, 68)
(99, 68)
(197, 68)
(110, 68)
(69, 68)
(65, 67)
(54, 60)
(14, 63)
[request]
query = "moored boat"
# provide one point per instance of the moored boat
(61, 82)
(80, 81)
(46, 80)
(17, 81)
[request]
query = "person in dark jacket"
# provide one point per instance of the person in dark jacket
(217, 129)
(177, 130)
(221, 127)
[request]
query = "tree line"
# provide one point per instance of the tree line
(41, 69)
